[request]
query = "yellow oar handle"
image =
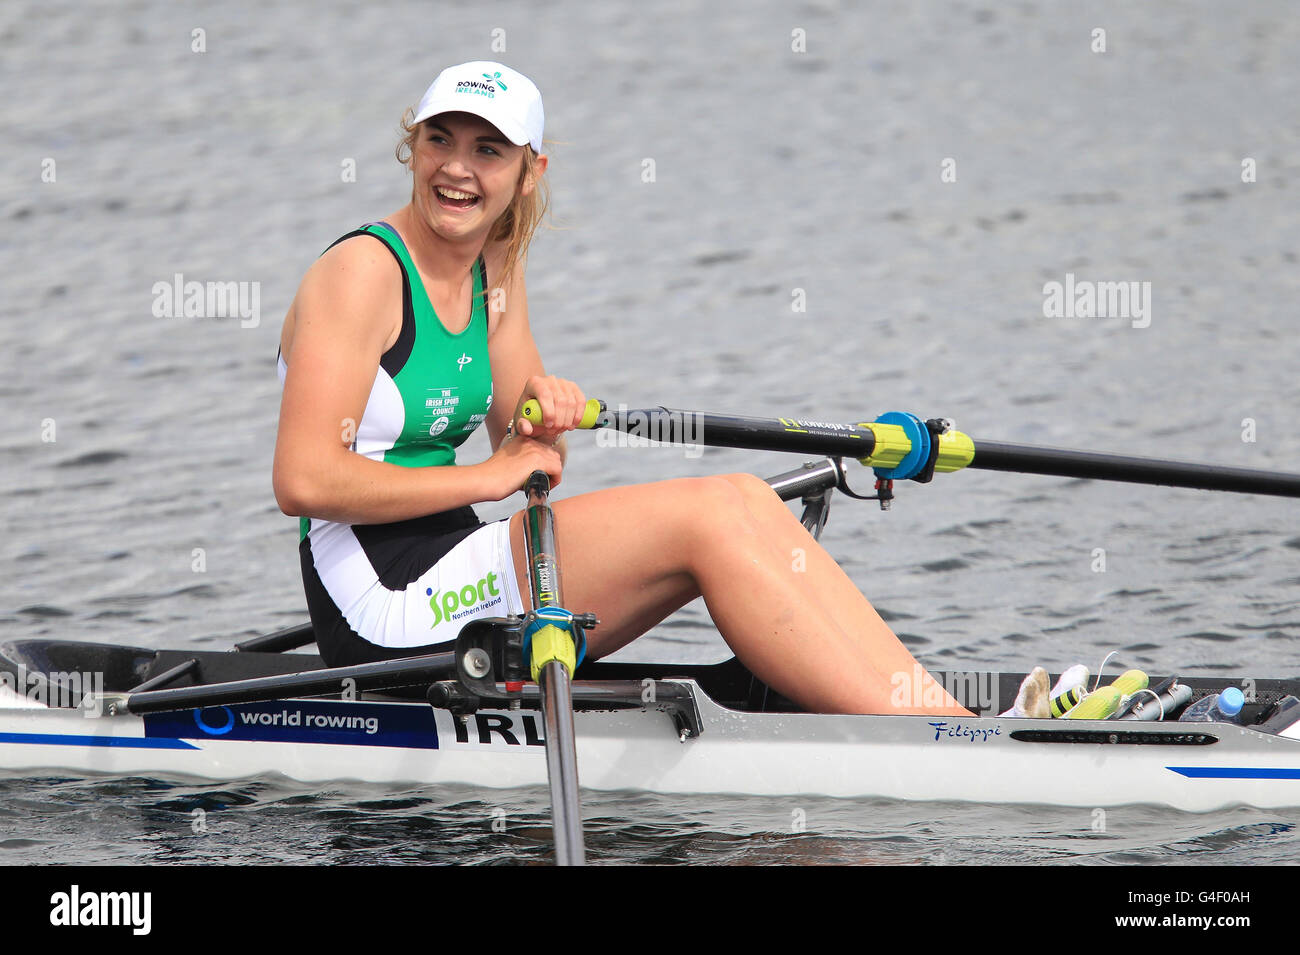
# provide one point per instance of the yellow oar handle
(533, 412)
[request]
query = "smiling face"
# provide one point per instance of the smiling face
(466, 174)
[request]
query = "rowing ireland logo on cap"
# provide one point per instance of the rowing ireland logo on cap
(487, 89)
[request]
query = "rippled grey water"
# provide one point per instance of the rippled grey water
(148, 519)
(271, 821)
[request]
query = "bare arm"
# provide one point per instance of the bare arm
(344, 316)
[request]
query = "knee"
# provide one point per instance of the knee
(722, 506)
(754, 490)
(759, 497)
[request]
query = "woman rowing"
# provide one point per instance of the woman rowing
(399, 338)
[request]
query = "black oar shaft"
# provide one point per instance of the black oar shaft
(857, 441)
(553, 681)
(562, 764)
(673, 426)
(1092, 465)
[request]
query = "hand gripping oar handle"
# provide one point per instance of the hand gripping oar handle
(898, 446)
(532, 411)
(549, 635)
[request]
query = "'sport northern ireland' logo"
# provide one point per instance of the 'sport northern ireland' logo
(454, 604)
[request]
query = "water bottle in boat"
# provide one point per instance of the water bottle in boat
(1223, 708)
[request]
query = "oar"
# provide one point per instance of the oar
(549, 637)
(901, 446)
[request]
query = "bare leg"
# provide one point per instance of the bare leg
(633, 555)
(832, 589)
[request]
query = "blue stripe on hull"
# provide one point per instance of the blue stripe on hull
(125, 742)
(1234, 772)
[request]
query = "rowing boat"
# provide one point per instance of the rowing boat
(690, 729)
(667, 728)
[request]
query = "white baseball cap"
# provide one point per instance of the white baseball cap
(505, 98)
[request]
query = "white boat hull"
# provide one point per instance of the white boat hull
(766, 754)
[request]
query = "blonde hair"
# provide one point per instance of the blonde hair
(522, 217)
